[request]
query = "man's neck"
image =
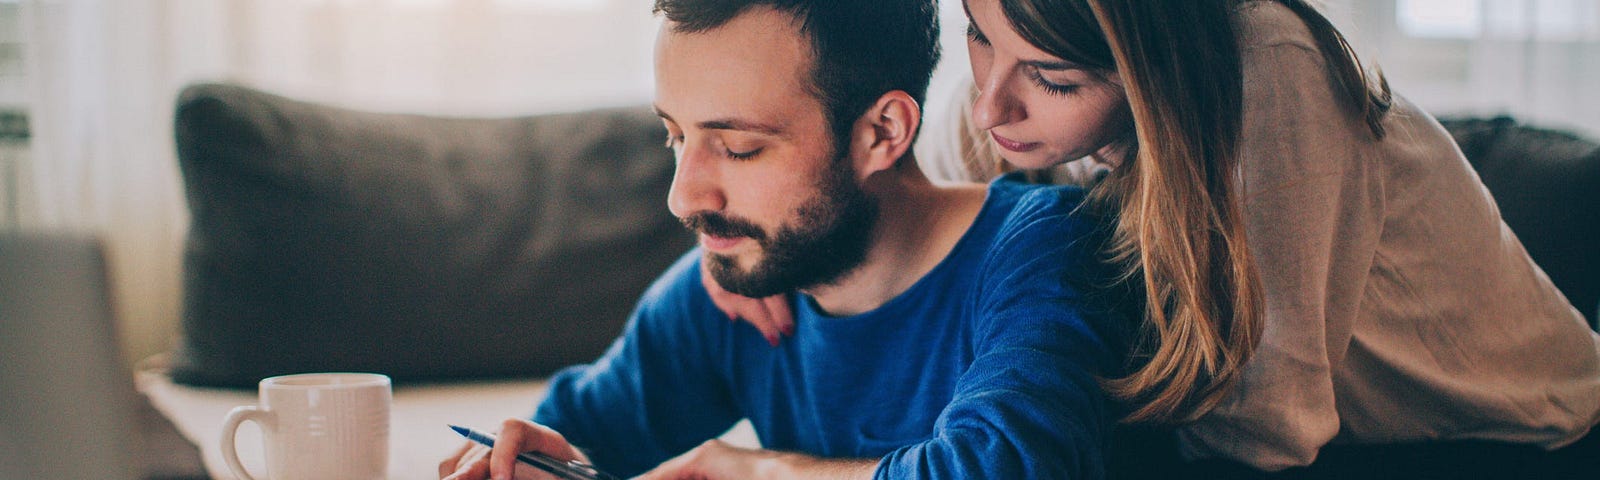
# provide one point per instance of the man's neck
(919, 223)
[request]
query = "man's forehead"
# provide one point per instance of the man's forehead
(749, 74)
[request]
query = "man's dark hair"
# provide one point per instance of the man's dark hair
(861, 49)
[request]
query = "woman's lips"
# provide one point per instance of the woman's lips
(719, 244)
(1013, 145)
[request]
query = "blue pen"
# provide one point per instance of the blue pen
(571, 470)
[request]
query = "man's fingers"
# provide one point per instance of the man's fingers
(466, 454)
(477, 469)
(513, 432)
(448, 465)
(517, 436)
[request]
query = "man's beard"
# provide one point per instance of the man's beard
(829, 239)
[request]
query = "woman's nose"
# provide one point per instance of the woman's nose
(996, 103)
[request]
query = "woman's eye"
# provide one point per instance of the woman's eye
(976, 36)
(1051, 87)
(674, 140)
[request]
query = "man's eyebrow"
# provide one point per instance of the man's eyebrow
(731, 124)
(743, 126)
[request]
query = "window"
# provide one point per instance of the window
(13, 107)
(547, 5)
(12, 84)
(1545, 20)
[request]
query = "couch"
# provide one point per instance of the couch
(1547, 185)
(469, 258)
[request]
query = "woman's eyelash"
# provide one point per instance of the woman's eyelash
(1051, 88)
(975, 35)
(672, 140)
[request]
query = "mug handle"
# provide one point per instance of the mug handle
(230, 427)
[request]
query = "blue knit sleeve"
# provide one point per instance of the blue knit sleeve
(651, 396)
(1030, 405)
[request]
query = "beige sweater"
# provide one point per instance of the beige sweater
(1399, 306)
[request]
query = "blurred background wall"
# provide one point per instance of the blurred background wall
(87, 87)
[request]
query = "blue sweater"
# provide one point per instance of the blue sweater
(985, 368)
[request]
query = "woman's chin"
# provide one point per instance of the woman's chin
(1035, 160)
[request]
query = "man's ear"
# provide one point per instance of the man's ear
(883, 134)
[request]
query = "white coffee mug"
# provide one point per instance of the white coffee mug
(318, 426)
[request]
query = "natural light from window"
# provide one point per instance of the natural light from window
(552, 5)
(1545, 20)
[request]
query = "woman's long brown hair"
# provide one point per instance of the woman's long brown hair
(1180, 227)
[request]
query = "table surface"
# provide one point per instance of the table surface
(419, 436)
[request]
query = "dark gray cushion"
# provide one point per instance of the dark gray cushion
(1547, 185)
(420, 247)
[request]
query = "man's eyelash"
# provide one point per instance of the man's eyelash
(674, 140)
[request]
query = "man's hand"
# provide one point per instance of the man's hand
(477, 462)
(770, 315)
(715, 460)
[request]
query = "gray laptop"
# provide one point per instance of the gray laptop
(67, 403)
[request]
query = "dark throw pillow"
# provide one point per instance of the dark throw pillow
(424, 248)
(1547, 185)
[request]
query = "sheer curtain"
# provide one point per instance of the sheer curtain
(1537, 60)
(103, 75)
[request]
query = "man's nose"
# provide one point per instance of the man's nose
(696, 183)
(996, 103)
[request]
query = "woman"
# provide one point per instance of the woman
(1320, 262)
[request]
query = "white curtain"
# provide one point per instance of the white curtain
(103, 76)
(1536, 60)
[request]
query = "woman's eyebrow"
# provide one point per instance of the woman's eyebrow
(1053, 65)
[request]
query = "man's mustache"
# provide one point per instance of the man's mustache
(717, 225)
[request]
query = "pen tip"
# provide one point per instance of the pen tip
(460, 430)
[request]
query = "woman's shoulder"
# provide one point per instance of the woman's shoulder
(1266, 24)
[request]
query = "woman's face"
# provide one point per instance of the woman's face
(1039, 109)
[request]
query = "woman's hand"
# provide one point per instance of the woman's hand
(770, 315)
(477, 462)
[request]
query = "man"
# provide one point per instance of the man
(937, 336)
